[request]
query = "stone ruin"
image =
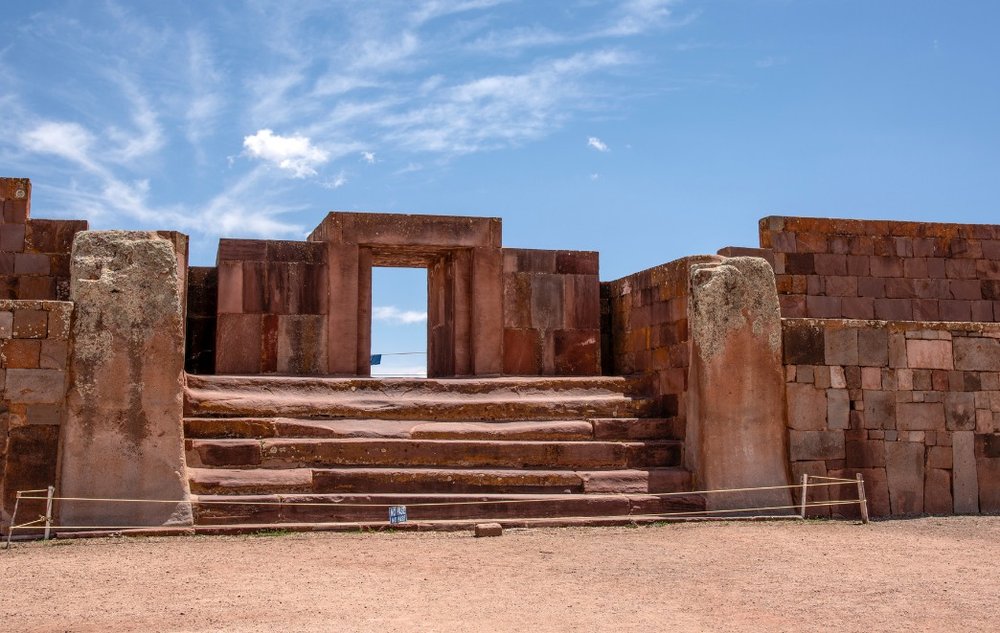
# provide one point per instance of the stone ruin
(225, 395)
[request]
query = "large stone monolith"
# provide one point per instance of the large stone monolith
(736, 431)
(123, 436)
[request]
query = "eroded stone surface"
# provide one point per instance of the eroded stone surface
(123, 436)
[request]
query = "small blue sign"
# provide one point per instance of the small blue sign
(376, 359)
(397, 514)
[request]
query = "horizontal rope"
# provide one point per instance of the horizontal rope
(554, 497)
(472, 520)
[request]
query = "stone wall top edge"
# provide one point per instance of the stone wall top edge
(957, 326)
(562, 251)
(660, 272)
(432, 217)
(29, 304)
(858, 226)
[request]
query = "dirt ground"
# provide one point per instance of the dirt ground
(929, 574)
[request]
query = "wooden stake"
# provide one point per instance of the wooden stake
(862, 501)
(805, 489)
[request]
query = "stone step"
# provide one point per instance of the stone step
(334, 508)
(533, 430)
(436, 480)
(407, 399)
(311, 453)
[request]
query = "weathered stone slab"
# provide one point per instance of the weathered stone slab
(929, 354)
(123, 435)
(735, 411)
(966, 484)
(937, 491)
(838, 409)
(977, 354)
(905, 473)
(807, 406)
(814, 445)
(920, 416)
(960, 411)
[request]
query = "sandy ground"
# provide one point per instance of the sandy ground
(929, 574)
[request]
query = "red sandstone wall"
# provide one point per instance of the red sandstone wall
(648, 324)
(551, 313)
(272, 298)
(34, 344)
(893, 271)
(34, 254)
(914, 407)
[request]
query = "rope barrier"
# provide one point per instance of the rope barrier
(291, 502)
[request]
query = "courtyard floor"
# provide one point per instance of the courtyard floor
(927, 574)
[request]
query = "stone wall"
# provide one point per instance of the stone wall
(647, 325)
(34, 343)
(892, 271)
(34, 254)
(272, 302)
(551, 313)
(914, 407)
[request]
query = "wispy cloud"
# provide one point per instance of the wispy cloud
(296, 153)
(368, 157)
(337, 181)
(394, 316)
(598, 144)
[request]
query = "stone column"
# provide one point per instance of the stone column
(736, 429)
(123, 437)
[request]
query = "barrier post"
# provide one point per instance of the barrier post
(48, 511)
(862, 501)
(805, 488)
(13, 518)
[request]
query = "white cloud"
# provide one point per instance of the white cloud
(337, 181)
(395, 316)
(597, 144)
(368, 157)
(594, 176)
(67, 140)
(296, 154)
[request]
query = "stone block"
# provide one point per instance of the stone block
(925, 354)
(31, 264)
(937, 492)
(893, 309)
(960, 411)
(803, 345)
(30, 464)
(44, 413)
(123, 433)
(547, 302)
(230, 289)
(858, 308)
(577, 352)
(488, 529)
(873, 347)
(238, 344)
(823, 307)
(522, 352)
(940, 457)
(838, 412)
(807, 407)
(920, 416)
(988, 482)
(35, 385)
(841, 346)
(977, 354)
(301, 344)
(37, 288)
(242, 250)
(881, 410)
(254, 287)
(965, 480)
(865, 454)
(905, 474)
(12, 238)
(577, 263)
(955, 311)
(871, 378)
(30, 323)
(816, 445)
(20, 353)
(582, 303)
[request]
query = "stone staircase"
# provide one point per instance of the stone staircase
(520, 451)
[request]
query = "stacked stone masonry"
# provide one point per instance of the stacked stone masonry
(34, 344)
(552, 320)
(34, 254)
(891, 271)
(913, 407)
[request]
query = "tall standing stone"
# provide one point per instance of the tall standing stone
(736, 426)
(123, 437)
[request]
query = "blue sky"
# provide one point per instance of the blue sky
(644, 129)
